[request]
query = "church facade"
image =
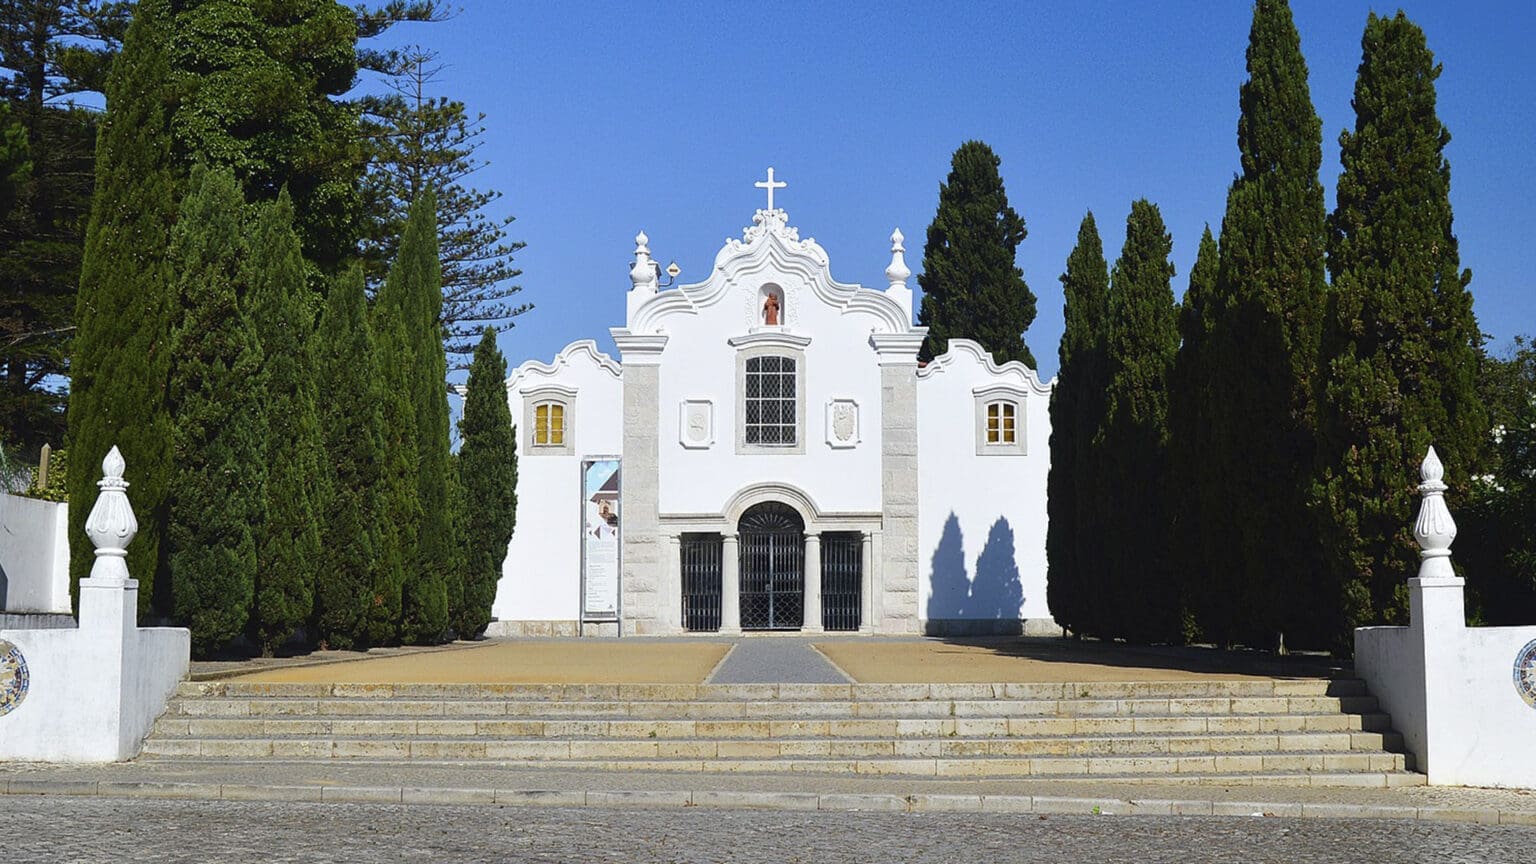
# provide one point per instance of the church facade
(768, 454)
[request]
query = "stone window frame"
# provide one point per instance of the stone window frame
(770, 344)
(549, 394)
(995, 394)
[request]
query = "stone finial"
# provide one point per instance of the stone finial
(898, 271)
(643, 272)
(42, 467)
(1434, 529)
(111, 524)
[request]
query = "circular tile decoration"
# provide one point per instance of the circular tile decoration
(1525, 673)
(14, 678)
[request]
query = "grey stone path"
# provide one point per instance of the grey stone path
(776, 660)
(156, 831)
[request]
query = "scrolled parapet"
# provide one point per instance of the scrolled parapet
(111, 524)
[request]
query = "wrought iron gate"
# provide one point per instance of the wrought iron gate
(842, 577)
(772, 567)
(701, 557)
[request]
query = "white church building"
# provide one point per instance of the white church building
(767, 454)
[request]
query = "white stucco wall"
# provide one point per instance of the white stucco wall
(700, 363)
(980, 515)
(541, 576)
(34, 555)
(94, 691)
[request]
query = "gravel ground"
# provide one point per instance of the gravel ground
(154, 831)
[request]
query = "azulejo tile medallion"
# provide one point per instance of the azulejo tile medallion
(14, 677)
(1525, 673)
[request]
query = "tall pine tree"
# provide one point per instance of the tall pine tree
(288, 545)
(350, 584)
(1140, 597)
(217, 490)
(120, 356)
(1190, 438)
(413, 292)
(1401, 346)
(1264, 319)
(488, 472)
(1074, 539)
(971, 287)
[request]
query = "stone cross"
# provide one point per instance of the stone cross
(770, 185)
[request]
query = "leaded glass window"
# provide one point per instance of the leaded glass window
(770, 401)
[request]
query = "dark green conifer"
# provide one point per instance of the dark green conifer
(1263, 346)
(399, 592)
(488, 470)
(349, 587)
(1074, 539)
(1139, 596)
(288, 545)
(119, 360)
(217, 489)
(971, 287)
(1190, 436)
(1401, 347)
(414, 293)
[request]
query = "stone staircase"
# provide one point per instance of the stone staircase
(1302, 732)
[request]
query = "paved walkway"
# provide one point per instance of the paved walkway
(776, 660)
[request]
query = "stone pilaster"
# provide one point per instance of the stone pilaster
(641, 549)
(811, 607)
(898, 481)
(730, 584)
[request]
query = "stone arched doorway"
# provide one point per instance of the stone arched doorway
(772, 567)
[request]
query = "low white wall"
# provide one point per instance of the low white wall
(94, 691)
(1391, 660)
(34, 555)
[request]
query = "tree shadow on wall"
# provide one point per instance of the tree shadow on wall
(997, 593)
(951, 584)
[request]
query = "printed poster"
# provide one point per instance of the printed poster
(600, 539)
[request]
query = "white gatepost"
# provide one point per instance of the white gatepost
(1463, 698)
(91, 693)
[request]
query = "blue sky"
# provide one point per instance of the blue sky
(604, 119)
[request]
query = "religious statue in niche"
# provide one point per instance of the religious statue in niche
(771, 310)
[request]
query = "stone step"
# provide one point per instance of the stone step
(245, 706)
(1097, 690)
(544, 749)
(598, 758)
(1366, 729)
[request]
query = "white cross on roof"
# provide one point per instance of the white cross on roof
(770, 185)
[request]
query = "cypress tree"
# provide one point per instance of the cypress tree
(288, 545)
(1264, 321)
(1190, 439)
(488, 470)
(1139, 594)
(119, 360)
(349, 586)
(1401, 347)
(217, 500)
(398, 579)
(414, 293)
(971, 287)
(1074, 539)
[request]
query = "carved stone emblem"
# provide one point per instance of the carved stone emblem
(14, 677)
(1525, 673)
(698, 423)
(842, 423)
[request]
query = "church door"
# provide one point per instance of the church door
(772, 567)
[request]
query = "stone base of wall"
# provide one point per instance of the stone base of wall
(991, 627)
(36, 621)
(522, 629)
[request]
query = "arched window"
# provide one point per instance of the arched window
(1002, 422)
(549, 424)
(549, 420)
(1000, 429)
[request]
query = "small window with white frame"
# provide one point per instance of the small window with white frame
(549, 421)
(999, 421)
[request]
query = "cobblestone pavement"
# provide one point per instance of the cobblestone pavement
(153, 831)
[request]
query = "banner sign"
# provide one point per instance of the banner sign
(600, 539)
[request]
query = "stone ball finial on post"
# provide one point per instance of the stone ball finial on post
(1435, 529)
(111, 525)
(643, 273)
